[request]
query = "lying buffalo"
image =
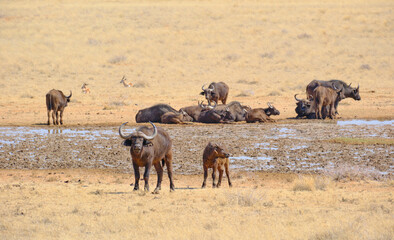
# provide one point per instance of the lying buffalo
(215, 92)
(154, 113)
(348, 91)
(215, 116)
(236, 109)
(193, 111)
(56, 102)
(261, 114)
(304, 108)
(175, 118)
(326, 97)
(149, 147)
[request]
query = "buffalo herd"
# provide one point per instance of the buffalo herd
(153, 147)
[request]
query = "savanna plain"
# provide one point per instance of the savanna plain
(293, 179)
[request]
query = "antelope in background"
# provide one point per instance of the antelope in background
(85, 89)
(125, 84)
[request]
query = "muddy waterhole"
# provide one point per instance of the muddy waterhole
(301, 147)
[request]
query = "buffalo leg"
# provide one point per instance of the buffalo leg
(49, 116)
(148, 166)
(220, 176)
(204, 183)
(136, 176)
(215, 167)
(168, 160)
(332, 111)
(53, 117)
(61, 117)
(159, 170)
(228, 173)
(57, 118)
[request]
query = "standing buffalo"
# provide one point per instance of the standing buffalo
(215, 92)
(326, 96)
(149, 147)
(56, 102)
(348, 91)
(175, 118)
(261, 114)
(216, 158)
(154, 113)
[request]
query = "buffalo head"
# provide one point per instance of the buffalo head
(137, 139)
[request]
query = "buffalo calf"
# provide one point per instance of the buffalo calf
(216, 158)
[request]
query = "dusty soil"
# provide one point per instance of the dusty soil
(288, 147)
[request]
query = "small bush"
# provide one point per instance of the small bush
(117, 59)
(246, 198)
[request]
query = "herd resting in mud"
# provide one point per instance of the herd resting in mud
(154, 146)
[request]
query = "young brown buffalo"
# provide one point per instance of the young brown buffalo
(215, 157)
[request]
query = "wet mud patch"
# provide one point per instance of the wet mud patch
(291, 147)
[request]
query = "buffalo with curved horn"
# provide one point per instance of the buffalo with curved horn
(215, 92)
(149, 147)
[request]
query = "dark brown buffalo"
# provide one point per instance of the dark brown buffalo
(193, 111)
(326, 97)
(304, 108)
(215, 116)
(215, 92)
(215, 157)
(237, 111)
(261, 114)
(149, 147)
(348, 91)
(154, 113)
(56, 102)
(175, 118)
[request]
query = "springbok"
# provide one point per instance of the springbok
(85, 89)
(125, 84)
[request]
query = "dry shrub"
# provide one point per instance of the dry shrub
(246, 198)
(302, 184)
(274, 93)
(310, 183)
(347, 172)
(141, 85)
(117, 59)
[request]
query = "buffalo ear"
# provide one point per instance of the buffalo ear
(126, 142)
(202, 93)
(148, 143)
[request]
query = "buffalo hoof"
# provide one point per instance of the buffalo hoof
(203, 186)
(156, 191)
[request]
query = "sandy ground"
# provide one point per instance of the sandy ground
(265, 52)
(50, 184)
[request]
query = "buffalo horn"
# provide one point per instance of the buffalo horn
(269, 104)
(358, 86)
(203, 87)
(121, 134)
(71, 93)
(295, 96)
(146, 137)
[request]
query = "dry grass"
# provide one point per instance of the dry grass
(168, 49)
(37, 209)
(364, 141)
